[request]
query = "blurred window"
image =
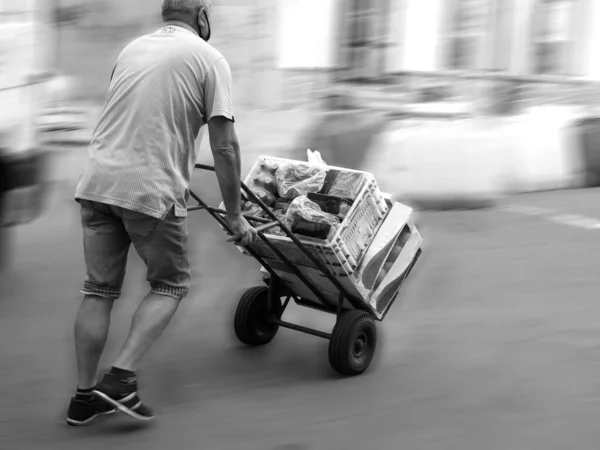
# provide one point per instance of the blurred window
(364, 37)
(467, 33)
(360, 16)
(553, 37)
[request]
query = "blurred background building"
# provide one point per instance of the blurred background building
(284, 52)
(520, 37)
(469, 56)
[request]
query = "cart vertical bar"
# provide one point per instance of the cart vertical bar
(285, 305)
(340, 305)
(273, 289)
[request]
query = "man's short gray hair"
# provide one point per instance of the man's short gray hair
(183, 7)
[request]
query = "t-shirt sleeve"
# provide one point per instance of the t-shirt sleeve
(217, 91)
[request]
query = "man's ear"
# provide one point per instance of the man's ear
(202, 19)
(204, 24)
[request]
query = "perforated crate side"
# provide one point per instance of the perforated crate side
(342, 259)
(364, 221)
(335, 260)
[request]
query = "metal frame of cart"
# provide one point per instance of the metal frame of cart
(259, 313)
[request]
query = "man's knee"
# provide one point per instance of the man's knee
(95, 304)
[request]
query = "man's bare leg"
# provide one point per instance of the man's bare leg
(119, 387)
(149, 322)
(91, 331)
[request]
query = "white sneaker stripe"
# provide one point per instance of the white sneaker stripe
(129, 397)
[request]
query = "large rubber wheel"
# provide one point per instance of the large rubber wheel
(251, 318)
(353, 342)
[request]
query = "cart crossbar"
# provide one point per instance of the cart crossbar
(291, 326)
(266, 226)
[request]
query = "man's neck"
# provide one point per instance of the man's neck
(179, 23)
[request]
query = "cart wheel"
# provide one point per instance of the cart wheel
(352, 344)
(250, 323)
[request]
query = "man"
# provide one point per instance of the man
(164, 88)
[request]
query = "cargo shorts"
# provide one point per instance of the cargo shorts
(109, 231)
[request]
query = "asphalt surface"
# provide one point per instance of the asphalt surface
(493, 345)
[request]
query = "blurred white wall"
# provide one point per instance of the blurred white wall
(422, 43)
(592, 55)
(23, 48)
(306, 35)
(520, 60)
(397, 29)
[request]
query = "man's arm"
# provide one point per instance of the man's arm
(226, 153)
(218, 109)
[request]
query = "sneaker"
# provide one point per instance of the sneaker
(82, 412)
(123, 395)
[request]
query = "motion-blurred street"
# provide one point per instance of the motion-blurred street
(492, 345)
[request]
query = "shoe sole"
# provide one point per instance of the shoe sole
(81, 423)
(121, 407)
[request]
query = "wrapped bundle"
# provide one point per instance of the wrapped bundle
(294, 180)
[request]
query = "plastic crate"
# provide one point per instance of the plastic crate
(342, 254)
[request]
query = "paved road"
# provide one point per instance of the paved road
(493, 346)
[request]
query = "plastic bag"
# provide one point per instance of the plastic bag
(295, 180)
(314, 158)
(307, 216)
(303, 208)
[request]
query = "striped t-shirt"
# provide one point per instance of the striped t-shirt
(165, 87)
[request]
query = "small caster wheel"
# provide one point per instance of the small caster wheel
(251, 318)
(353, 342)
